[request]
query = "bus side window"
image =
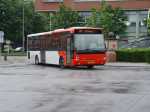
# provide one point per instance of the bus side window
(29, 44)
(49, 42)
(33, 41)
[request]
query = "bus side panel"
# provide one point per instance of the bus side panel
(52, 57)
(32, 56)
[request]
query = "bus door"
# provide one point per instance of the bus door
(42, 53)
(68, 52)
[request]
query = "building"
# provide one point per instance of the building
(136, 10)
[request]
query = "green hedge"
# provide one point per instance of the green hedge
(148, 57)
(133, 55)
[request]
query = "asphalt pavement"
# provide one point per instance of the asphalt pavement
(115, 87)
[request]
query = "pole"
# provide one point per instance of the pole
(50, 21)
(0, 50)
(148, 24)
(23, 38)
(137, 25)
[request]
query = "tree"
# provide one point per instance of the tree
(34, 21)
(11, 19)
(93, 20)
(112, 20)
(65, 17)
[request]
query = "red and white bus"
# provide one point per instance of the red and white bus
(76, 46)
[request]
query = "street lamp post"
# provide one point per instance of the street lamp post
(50, 21)
(1, 41)
(23, 38)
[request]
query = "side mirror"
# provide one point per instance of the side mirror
(74, 49)
(106, 48)
(111, 34)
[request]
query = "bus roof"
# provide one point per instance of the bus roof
(62, 30)
(84, 28)
(75, 28)
(39, 34)
(45, 33)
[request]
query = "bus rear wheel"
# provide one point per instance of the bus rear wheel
(36, 60)
(61, 63)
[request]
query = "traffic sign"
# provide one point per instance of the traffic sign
(1, 37)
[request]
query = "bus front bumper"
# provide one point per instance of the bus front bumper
(87, 62)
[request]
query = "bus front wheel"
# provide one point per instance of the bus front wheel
(90, 66)
(36, 60)
(61, 63)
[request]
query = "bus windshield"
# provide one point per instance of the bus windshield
(89, 42)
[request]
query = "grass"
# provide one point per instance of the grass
(15, 54)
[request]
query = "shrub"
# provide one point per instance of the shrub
(147, 57)
(133, 55)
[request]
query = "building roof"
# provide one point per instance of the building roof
(87, 5)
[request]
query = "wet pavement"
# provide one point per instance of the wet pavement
(110, 88)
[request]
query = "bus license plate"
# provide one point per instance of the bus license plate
(90, 62)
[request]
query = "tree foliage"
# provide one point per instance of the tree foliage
(34, 21)
(94, 19)
(112, 20)
(65, 17)
(11, 19)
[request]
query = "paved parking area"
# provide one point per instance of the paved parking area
(111, 88)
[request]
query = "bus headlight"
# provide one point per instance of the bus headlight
(104, 58)
(77, 58)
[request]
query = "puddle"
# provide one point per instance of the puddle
(101, 87)
(122, 87)
(121, 90)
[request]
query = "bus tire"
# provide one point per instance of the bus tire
(36, 60)
(90, 66)
(61, 63)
